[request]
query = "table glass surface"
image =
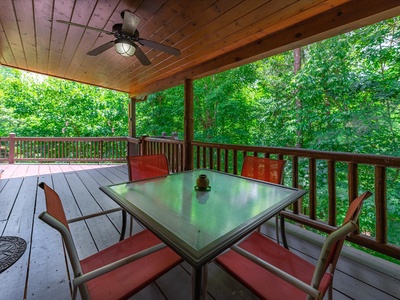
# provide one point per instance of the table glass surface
(197, 224)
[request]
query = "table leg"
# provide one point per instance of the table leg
(199, 283)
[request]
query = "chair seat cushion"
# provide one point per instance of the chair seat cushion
(131, 278)
(262, 282)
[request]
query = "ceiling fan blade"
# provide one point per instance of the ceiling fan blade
(101, 49)
(141, 56)
(160, 47)
(130, 23)
(83, 26)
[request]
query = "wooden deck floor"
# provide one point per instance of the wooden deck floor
(41, 272)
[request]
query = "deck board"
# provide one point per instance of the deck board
(19, 223)
(41, 273)
(47, 268)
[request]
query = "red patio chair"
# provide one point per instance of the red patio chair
(147, 166)
(117, 272)
(270, 170)
(144, 167)
(262, 168)
(272, 272)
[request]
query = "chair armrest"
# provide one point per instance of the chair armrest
(94, 215)
(117, 264)
(332, 239)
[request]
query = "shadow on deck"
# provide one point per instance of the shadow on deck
(41, 272)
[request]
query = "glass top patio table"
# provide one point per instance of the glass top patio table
(199, 225)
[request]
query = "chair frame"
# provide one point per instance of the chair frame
(281, 166)
(157, 156)
(311, 290)
(129, 159)
(79, 277)
(326, 263)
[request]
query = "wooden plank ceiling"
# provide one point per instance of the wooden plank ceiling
(212, 35)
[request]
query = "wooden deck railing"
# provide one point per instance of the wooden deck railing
(332, 179)
(173, 149)
(307, 167)
(89, 149)
(58, 149)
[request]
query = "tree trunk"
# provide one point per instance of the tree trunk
(297, 66)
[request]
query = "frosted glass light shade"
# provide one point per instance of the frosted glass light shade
(124, 47)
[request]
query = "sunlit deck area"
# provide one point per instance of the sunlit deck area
(41, 272)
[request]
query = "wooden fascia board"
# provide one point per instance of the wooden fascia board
(344, 18)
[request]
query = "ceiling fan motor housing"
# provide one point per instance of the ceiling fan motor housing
(118, 33)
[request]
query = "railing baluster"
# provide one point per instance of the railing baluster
(198, 157)
(211, 157)
(169, 147)
(176, 157)
(204, 157)
(295, 182)
(101, 150)
(235, 162)
(352, 178)
(332, 193)
(226, 160)
(219, 159)
(312, 189)
(380, 204)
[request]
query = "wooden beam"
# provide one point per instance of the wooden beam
(132, 125)
(132, 117)
(344, 18)
(189, 124)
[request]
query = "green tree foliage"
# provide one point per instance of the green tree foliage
(348, 87)
(224, 107)
(161, 112)
(34, 105)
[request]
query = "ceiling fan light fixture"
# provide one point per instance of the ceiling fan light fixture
(125, 47)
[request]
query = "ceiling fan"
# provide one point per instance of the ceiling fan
(126, 36)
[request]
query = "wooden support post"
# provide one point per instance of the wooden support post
(132, 148)
(11, 153)
(352, 178)
(144, 146)
(189, 124)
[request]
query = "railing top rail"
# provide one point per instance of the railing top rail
(72, 139)
(381, 160)
(132, 140)
(162, 140)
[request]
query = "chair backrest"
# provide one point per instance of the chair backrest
(333, 245)
(55, 217)
(147, 166)
(265, 169)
